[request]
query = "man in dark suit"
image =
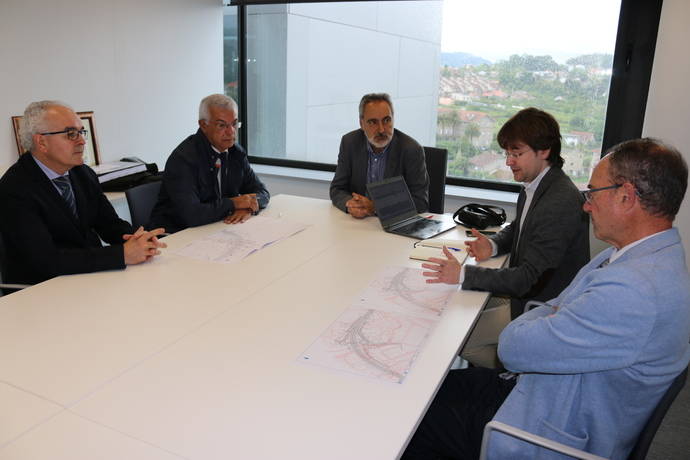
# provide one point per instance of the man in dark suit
(549, 239)
(375, 152)
(53, 214)
(208, 178)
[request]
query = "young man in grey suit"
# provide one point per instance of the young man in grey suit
(375, 152)
(595, 361)
(548, 241)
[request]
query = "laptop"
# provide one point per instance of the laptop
(398, 214)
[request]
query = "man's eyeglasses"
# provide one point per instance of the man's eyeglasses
(514, 155)
(72, 133)
(223, 125)
(587, 194)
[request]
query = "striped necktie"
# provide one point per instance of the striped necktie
(65, 187)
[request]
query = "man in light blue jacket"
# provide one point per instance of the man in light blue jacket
(592, 364)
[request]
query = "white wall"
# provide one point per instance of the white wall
(309, 65)
(668, 106)
(141, 66)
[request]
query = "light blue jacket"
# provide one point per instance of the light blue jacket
(594, 369)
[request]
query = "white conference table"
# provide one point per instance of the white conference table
(179, 358)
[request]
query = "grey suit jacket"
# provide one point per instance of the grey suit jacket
(553, 246)
(405, 158)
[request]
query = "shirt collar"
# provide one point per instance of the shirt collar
(46, 170)
(370, 149)
(532, 186)
(619, 252)
(216, 150)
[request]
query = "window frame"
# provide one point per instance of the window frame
(633, 59)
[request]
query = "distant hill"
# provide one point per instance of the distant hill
(461, 59)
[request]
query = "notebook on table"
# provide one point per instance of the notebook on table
(397, 212)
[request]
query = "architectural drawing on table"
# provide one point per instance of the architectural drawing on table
(225, 246)
(236, 242)
(405, 290)
(371, 343)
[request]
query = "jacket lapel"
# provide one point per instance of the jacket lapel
(393, 157)
(49, 191)
(544, 185)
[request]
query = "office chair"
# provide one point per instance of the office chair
(6, 288)
(436, 167)
(644, 439)
(141, 200)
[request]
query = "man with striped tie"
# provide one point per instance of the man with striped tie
(53, 214)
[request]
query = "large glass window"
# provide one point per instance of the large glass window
(231, 60)
(456, 70)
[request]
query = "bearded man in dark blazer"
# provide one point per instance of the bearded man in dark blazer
(375, 152)
(53, 211)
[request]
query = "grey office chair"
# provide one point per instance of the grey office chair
(436, 167)
(141, 200)
(6, 288)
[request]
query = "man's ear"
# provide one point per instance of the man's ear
(543, 154)
(627, 195)
(39, 142)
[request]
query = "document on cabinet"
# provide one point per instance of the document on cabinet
(237, 241)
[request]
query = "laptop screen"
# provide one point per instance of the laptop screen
(392, 199)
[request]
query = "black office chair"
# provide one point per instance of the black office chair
(6, 288)
(436, 167)
(639, 451)
(644, 439)
(141, 200)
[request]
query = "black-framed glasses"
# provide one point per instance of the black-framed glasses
(587, 194)
(72, 133)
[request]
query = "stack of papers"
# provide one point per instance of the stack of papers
(115, 169)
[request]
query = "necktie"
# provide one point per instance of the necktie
(65, 187)
(217, 168)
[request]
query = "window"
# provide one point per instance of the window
(456, 70)
(231, 60)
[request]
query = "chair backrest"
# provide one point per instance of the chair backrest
(2, 257)
(644, 440)
(141, 200)
(436, 166)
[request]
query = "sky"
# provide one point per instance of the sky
(496, 29)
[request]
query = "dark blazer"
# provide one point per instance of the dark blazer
(42, 237)
(554, 245)
(405, 158)
(189, 195)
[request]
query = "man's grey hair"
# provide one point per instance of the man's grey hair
(216, 100)
(33, 121)
(656, 170)
(374, 97)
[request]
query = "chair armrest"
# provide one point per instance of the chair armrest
(534, 303)
(533, 439)
(13, 286)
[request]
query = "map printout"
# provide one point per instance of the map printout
(383, 331)
(237, 241)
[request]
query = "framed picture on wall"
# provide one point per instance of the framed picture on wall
(91, 156)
